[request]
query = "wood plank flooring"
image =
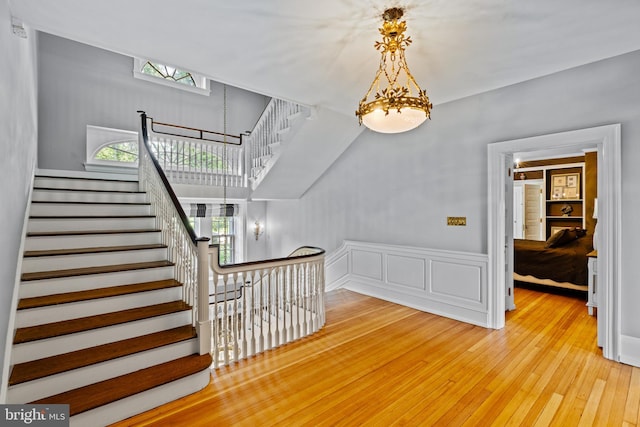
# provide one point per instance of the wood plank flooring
(380, 364)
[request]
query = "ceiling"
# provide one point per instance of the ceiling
(321, 52)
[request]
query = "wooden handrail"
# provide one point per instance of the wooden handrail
(237, 139)
(165, 181)
(266, 263)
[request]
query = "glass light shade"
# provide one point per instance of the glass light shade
(395, 122)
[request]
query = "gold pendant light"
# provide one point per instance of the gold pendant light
(399, 104)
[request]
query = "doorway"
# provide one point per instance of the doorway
(606, 140)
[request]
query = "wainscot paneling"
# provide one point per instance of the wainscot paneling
(630, 350)
(448, 283)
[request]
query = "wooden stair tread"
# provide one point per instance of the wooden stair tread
(41, 368)
(77, 251)
(67, 202)
(84, 178)
(63, 298)
(54, 274)
(104, 392)
(66, 327)
(89, 216)
(85, 232)
(88, 190)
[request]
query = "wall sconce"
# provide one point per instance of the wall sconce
(258, 229)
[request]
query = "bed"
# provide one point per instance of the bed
(561, 262)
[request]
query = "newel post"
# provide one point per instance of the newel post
(141, 148)
(203, 321)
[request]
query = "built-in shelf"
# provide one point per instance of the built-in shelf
(564, 181)
(564, 217)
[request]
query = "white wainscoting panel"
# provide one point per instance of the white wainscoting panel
(367, 264)
(630, 350)
(448, 283)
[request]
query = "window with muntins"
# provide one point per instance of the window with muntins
(169, 75)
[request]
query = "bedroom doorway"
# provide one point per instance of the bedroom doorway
(606, 141)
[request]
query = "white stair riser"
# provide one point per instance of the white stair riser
(34, 350)
(88, 209)
(43, 243)
(35, 288)
(89, 224)
(65, 262)
(65, 381)
(57, 313)
(87, 196)
(85, 184)
(141, 402)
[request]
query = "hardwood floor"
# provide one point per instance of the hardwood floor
(381, 364)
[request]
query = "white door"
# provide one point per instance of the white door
(507, 208)
(533, 212)
(518, 212)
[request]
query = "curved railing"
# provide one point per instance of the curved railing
(258, 306)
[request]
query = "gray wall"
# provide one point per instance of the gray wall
(18, 138)
(399, 189)
(82, 85)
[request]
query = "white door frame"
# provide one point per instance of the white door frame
(608, 142)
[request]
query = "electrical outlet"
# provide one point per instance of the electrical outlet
(457, 220)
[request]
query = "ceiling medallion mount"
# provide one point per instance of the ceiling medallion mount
(398, 103)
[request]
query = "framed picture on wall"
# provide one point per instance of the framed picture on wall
(565, 186)
(559, 180)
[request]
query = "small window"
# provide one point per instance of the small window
(125, 152)
(223, 233)
(168, 75)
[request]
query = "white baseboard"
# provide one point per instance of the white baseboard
(630, 350)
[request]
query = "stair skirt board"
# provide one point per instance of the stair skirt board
(58, 285)
(141, 402)
(73, 310)
(70, 241)
(92, 259)
(65, 381)
(39, 349)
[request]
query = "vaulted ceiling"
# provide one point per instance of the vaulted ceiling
(321, 52)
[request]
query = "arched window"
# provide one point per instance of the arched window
(168, 75)
(123, 152)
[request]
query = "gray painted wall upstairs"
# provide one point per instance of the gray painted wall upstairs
(18, 139)
(82, 85)
(399, 189)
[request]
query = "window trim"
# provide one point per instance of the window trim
(202, 83)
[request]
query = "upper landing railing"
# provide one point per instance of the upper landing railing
(197, 156)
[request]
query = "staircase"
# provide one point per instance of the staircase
(101, 324)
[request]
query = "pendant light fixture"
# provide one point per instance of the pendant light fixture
(398, 104)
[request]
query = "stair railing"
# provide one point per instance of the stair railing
(184, 247)
(257, 306)
(264, 138)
